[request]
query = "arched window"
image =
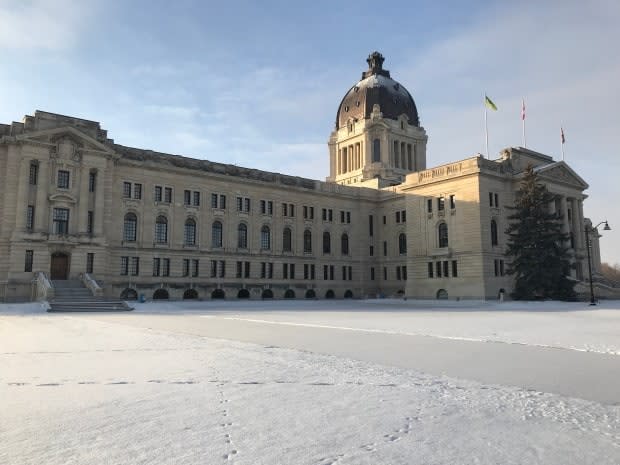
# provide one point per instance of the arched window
(265, 238)
(307, 241)
(242, 236)
(493, 232)
(344, 244)
(130, 228)
(402, 244)
(376, 150)
(327, 243)
(443, 235)
(287, 242)
(161, 230)
(216, 234)
(189, 235)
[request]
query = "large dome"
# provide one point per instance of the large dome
(376, 87)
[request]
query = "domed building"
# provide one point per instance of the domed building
(378, 137)
(78, 210)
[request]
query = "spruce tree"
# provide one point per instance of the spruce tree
(537, 246)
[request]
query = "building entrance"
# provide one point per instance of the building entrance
(59, 269)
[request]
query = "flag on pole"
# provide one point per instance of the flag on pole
(562, 135)
(522, 109)
(489, 103)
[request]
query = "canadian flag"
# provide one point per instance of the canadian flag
(522, 110)
(562, 135)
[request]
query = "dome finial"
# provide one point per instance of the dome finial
(375, 62)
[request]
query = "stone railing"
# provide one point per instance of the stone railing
(43, 289)
(91, 284)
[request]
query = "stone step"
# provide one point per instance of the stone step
(92, 306)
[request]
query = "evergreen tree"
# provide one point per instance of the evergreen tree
(538, 248)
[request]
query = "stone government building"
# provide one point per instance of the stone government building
(74, 204)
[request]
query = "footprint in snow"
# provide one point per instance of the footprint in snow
(331, 460)
(230, 455)
(391, 438)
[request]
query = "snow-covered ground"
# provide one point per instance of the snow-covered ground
(77, 389)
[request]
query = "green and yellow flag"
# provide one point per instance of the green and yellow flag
(489, 103)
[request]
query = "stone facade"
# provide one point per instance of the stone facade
(141, 222)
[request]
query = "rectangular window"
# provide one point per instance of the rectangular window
(168, 195)
(196, 198)
(270, 207)
(34, 174)
(312, 272)
(158, 193)
(263, 270)
(165, 267)
(371, 226)
(348, 217)
(455, 271)
(28, 261)
(452, 202)
(137, 191)
(185, 267)
(445, 269)
(291, 210)
(385, 248)
(222, 269)
(239, 269)
(496, 265)
(325, 272)
(246, 270)
(239, 204)
(405, 273)
(263, 207)
(344, 273)
(187, 197)
(371, 250)
(63, 179)
(384, 273)
(311, 213)
(156, 267)
(127, 190)
(292, 270)
(284, 209)
(384, 219)
(403, 216)
(195, 268)
(304, 210)
(429, 205)
(135, 266)
(285, 271)
(30, 218)
(398, 217)
(222, 202)
(61, 221)
(501, 267)
(213, 268)
(324, 214)
(214, 198)
(124, 266)
(438, 269)
(306, 271)
(269, 270)
(331, 272)
(247, 204)
(398, 273)
(430, 269)
(92, 181)
(330, 215)
(341, 216)
(441, 203)
(90, 262)
(372, 274)
(490, 199)
(90, 222)
(496, 200)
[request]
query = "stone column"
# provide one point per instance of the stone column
(82, 205)
(42, 208)
(22, 193)
(99, 210)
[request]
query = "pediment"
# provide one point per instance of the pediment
(62, 197)
(562, 173)
(65, 142)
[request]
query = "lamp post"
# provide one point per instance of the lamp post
(589, 229)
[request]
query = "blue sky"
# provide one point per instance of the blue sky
(258, 83)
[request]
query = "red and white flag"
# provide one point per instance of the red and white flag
(562, 135)
(522, 110)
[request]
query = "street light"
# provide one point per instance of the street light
(588, 229)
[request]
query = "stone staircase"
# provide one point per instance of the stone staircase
(73, 296)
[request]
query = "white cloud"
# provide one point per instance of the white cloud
(43, 24)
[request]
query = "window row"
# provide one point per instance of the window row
(29, 260)
(441, 203)
(499, 267)
(442, 269)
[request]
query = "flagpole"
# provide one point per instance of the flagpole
(523, 121)
(486, 126)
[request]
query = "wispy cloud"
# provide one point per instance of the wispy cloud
(43, 24)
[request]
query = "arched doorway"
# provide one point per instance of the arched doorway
(310, 294)
(348, 294)
(330, 294)
(289, 294)
(59, 268)
(267, 294)
(243, 294)
(218, 294)
(161, 294)
(129, 294)
(190, 294)
(442, 294)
